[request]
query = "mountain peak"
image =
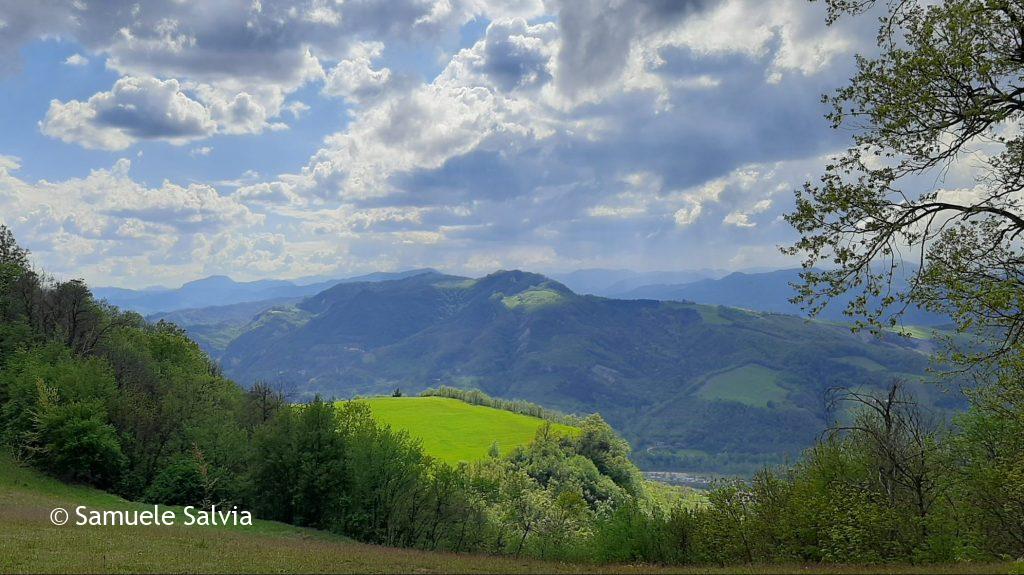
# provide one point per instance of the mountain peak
(512, 282)
(214, 280)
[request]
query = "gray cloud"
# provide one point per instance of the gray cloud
(597, 35)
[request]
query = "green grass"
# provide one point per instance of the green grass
(454, 431)
(532, 299)
(862, 362)
(708, 314)
(29, 543)
(917, 331)
(749, 384)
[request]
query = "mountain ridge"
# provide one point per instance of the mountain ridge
(766, 292)
(684, 382)
(220, 290)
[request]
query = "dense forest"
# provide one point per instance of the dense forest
(94, 395)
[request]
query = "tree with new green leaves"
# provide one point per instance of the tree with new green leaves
(10, 252)
(943, 93)
(13, 265)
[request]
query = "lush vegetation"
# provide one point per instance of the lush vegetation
(644, 365)
(93, 395)
(477, 397)
(29, 544)
(96, 396)
(453, 431)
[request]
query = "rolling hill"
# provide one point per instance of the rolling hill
(454, 431)
(691, 386)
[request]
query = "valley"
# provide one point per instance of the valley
(693, 387)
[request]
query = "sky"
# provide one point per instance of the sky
(153, 143)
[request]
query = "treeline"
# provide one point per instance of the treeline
(888, 485)
(477, 397)
(95, 395)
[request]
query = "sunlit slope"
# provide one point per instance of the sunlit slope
(452, 430)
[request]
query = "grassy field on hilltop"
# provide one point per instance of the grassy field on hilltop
(452, 430)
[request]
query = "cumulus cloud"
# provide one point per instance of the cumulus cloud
(741, 219)
(355, 78)
(514, 54)
(106, 221)
(598, 36)
(241, 59)
(152, 109)
(136, 108)
(76, 60)
(600, 133)
(687, 215)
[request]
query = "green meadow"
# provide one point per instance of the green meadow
(29, 543)
(454, 431)
(752, 384)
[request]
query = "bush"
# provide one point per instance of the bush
(76, 444)
(180, 483)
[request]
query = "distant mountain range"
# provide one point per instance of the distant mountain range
(768, 291)
(612, 283)
(222, 290)
(692, 386)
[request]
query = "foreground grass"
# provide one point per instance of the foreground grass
(29, 543)
(453, 430)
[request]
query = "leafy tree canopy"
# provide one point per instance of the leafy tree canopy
(944, 91)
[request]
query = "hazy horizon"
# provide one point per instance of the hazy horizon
(305, 280)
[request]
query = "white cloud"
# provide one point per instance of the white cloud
(151, 109)
(688, 214)
(136, 108)
(9, 163)
(87, 226)
(76, 60)
(200, 151)
(741, 219)
(296, 108)
(354, 78)
(606, 135)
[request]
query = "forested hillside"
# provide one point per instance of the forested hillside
(691, 386)
(96, 396)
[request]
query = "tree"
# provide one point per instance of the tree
(13, 264)
(944, 91)
(902, 446)
(10, 252)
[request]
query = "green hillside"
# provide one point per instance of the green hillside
(452, 430)
(739, 388)
(29, 543)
